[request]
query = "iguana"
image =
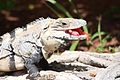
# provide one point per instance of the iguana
(27, 47)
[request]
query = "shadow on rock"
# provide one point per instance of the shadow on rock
(62, 67)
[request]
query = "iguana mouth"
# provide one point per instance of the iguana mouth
(77, 33)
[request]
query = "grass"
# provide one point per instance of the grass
(74, 45)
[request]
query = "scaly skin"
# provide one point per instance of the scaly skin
(26, 47)
(112, 72)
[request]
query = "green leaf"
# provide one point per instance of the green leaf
(74, 45)
(104, 40)
(2, 5)
(60, 7)
(54, 11)
(99, 29)
(85, 28)
(97, 34)
(70, 0)
(52, 1)
(112, 49)
(10, 4)
(100, 49)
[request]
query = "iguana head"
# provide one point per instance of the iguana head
(60, 31)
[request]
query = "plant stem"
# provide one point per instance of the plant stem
(99, 29)
(74, 45)
(52, 9)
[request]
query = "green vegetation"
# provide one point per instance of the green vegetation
(59, 7)
(99, 34)
(6, 4)
(74, 45)
(61, 11)
(102, 41)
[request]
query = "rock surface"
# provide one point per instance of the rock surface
(70, 65)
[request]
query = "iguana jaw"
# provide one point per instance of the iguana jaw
(71, 34)
(59, 32)
(76, 33)
(70, 29)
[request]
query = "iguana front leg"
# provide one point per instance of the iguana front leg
(33, 63)
(32, 69)
(32, 55)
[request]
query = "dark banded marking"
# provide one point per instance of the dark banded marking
(12, 34)
(1, 39)
(12, 66)
(24, 28)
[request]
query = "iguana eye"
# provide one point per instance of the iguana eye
(63, 23)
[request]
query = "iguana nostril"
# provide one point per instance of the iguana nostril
(64, 23)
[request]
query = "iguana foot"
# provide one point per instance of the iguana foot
(33, 76)
(36, 76)
(46, 77)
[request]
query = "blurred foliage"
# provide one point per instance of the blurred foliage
(7, 4)
(112, 14)
(60, 10)
(60, 7)
(98, 34)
